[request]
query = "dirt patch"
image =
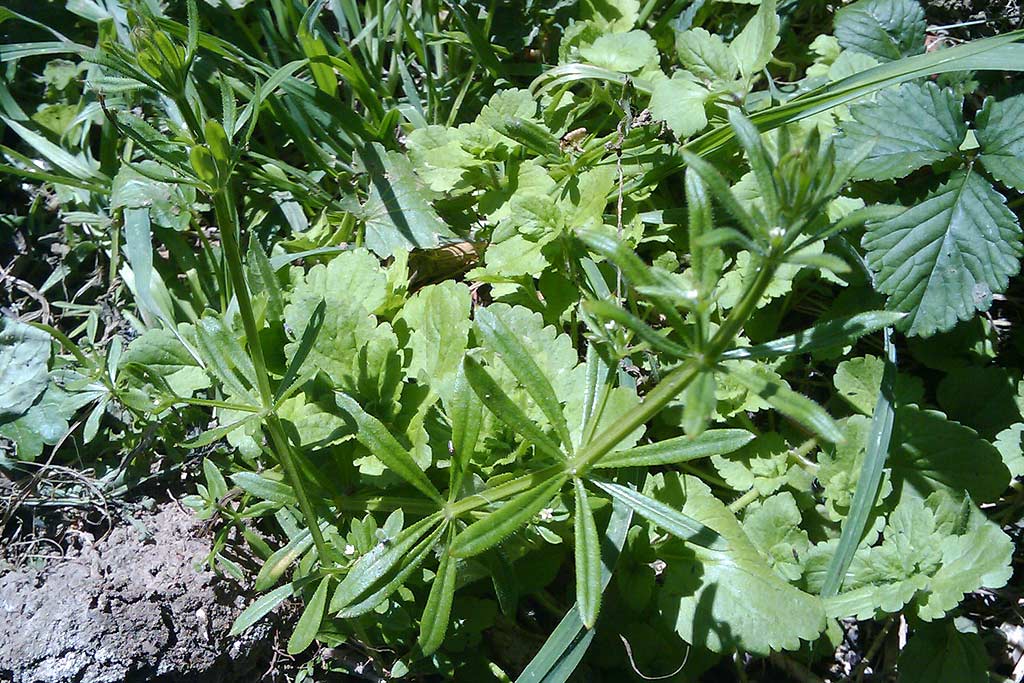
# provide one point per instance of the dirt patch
(975, 18)
(132, 607)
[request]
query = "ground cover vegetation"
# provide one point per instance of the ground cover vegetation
(536, 340)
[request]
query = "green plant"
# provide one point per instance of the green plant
(433, 311)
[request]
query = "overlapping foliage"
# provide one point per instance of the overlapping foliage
(468, 315)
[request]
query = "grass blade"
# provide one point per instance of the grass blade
(870, 477)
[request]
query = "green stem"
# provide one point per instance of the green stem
(227, 220)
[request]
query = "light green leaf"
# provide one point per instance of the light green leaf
(623, 52)
(1001, 136)
(858, 381)
(943, 259)
(706, 55)
(753, 47)
(840, 469)
(515, 513)
(438, 319)
(397, 214)
(46, 422)
(884, 29)
(773, 526)
(679, 102)
(725, 599)
(679, 449)
(309, 623)
(587, 554)
(278, 563)
(763, 464)
(261, 607)
(264, 487)
(24, 357)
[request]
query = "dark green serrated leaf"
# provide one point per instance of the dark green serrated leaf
(915, 125)
(1001, 136)
(943, 259)
(884, 29)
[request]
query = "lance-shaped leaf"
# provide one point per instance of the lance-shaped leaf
(264, 487)
(278, 563)
(606, 310)
(671, 520)
(699, 403)
(379, 562)
(437, 612)
(217, 433)
(309, 623)
(394, 579)
(587, 553)
(718, 186)
(839, 332)
(262, 606)
(760, 163)
(498, 525)
(679, 449)
(796, 407)
(499, 403)
(376, 437)
(465, 411)
(497, 336)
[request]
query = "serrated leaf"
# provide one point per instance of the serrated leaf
(725, 599)
(706, 55)
(511, 516)
(438, 319)
(914, 125)
(940, 652)
(679, 449)
(1000, 132)
(497, 336)
(885, 29)
(625, 52)
(309, 623)
(379, 441)
(797, 407)
(753, 47)
(943, 259)
(587, 555)
(24, 357)
(679, 102)
(858, 380)
(397, 214)
(773, 526)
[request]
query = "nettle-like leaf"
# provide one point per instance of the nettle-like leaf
(626, 52)
(884, 29)
(438, 320)
(858, 380)
(906, 128)
(773, 526)
(764, 464)
(706, 55)
(929, 453)
(727, 599)
(933, 552)
(840, 468)
(941, 260)
(1001, 136)
(941, 652)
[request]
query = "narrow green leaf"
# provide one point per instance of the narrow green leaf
(393, 580)
(211, 435)
(870, 476)
(375, 564)
(283, 557)
(760, 163)
(679, 449)
(676, 523)
(309, 623)
(699, 403)
(606, 310)
(264, 487)
(215, 483)
(261, 278)
(261, 607)
(512, 515)
(295, 368)
(718, 186)
(565, 647)
(497, 336)
(839, 332)
(466, 413)
(587, 553)
(498, 402)
(379, 441)
(797, 407)
(436, 613)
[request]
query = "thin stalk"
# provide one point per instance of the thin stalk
(227, 219)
